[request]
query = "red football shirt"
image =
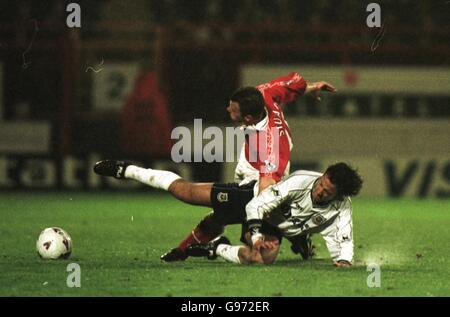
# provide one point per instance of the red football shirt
(268, 143)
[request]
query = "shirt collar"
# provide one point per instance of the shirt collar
(260, 126)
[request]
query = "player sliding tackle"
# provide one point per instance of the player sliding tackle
(259, 112)
(305, 202)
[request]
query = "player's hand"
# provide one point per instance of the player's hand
(269, 245)
(324, 86)
(261, 244)
(341, 264)
(315, 88)
(258, 244)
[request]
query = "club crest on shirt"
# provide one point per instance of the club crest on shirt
(222, 197)
(317, 219)
(270, 166)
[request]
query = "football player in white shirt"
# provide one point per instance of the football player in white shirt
(306, 202)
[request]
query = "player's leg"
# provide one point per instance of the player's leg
(188, 192)
(191, 193)
(205, 231)
(228, 201)
(233, 211)
(222, 247)
(239, 254)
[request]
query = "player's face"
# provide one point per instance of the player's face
(323, 191)
(235, 111)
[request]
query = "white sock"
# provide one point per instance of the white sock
(229, 252)
(154, 178)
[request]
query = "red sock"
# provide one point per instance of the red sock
(196, 236)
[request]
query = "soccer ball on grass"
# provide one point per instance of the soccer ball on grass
(54, 243)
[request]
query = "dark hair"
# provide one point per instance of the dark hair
(346, 179)
(251, 101)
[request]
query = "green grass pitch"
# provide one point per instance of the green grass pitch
(119, 237)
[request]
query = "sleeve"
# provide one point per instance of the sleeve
(339, 235)
(284, 89)
(270, 199)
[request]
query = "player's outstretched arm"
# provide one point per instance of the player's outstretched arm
(339, 238)
(315, 88)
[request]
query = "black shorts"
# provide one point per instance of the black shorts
(229, 202)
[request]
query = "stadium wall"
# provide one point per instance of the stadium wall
(396, 159)
(33, 171)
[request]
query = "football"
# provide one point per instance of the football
(54, 243)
